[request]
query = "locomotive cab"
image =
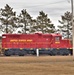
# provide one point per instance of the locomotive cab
(56, 40)
(61, 46)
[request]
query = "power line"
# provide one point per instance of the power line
(57, 2)
(47, 4)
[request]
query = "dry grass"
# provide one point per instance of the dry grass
(31, 65)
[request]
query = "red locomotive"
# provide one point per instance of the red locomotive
(22, 44)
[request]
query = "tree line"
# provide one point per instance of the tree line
(24, 22)
(10, 22)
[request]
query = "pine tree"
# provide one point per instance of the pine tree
(24, 21)
(43, 24)
(66, 27)
(7, 19)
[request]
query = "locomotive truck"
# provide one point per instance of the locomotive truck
(23, 44)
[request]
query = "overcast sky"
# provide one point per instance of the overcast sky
(54, 8)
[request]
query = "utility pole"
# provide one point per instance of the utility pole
(72, 25)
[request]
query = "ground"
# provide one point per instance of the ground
(32, 65)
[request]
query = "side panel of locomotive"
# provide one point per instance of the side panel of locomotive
(22, 44)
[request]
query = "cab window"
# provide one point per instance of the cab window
(57, 39)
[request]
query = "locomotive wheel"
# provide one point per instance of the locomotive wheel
(7, 53)
(64, 52)
(22, 53)
(54, 52)
(67, 52)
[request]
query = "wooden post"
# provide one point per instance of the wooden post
(72, 25)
